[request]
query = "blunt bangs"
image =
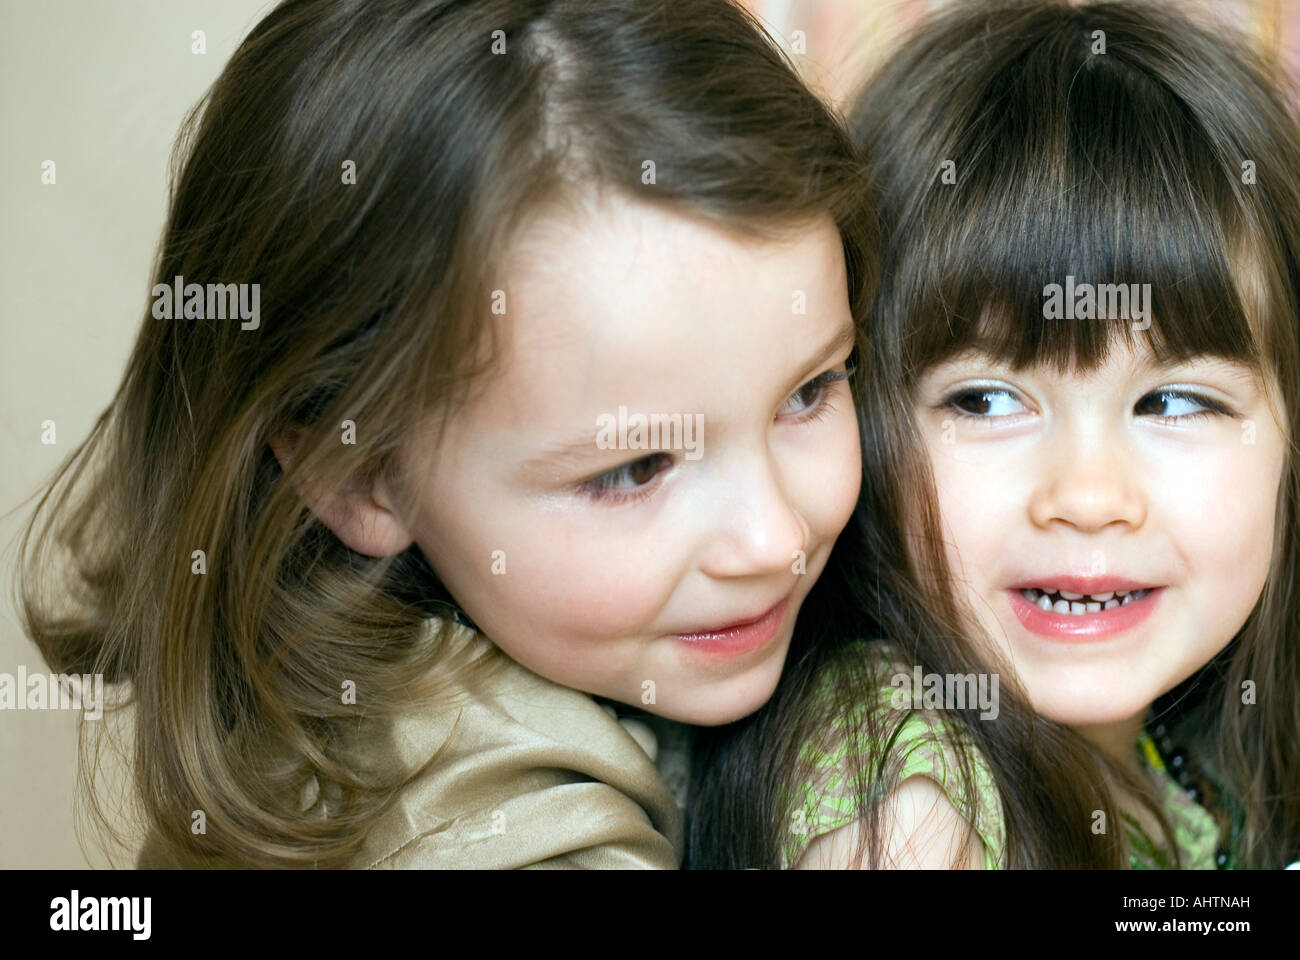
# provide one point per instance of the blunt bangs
(1084, 204)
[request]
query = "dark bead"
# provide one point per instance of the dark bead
(1166, 745)
(1195, 794)
(1221, 859)
(1177, 760)
(1160, 730)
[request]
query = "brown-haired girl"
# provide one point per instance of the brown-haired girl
(1082, 472)
(545, 410)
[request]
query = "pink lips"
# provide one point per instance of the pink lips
(739, 638)
(1100, 625)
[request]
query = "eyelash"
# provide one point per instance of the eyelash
(1211, 407)
(597, 491)
(823, 382)
(950, 402)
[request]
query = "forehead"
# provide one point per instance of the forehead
(610, 300)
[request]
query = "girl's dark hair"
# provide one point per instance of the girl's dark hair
(1170, 159)
(366, 162)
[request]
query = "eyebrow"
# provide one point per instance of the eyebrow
(583, 448)
(846, 337)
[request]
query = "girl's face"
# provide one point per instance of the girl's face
(1112, 531)
(614, 568)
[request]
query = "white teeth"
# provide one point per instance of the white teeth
(1062, 601)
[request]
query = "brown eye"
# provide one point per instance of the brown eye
(628, 477)
(985, 402)
(1172, 404)
(811, 394)
(803, 398)
(644, 470)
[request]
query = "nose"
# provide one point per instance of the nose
(1089, 483)
(758, 528)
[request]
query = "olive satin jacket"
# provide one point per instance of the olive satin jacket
(530, 775)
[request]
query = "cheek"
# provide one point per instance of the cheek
(823, 479)
(525, 574)
(553, 584)
(979, 501)
(839, 481)
(605, 588)
(1220, 508)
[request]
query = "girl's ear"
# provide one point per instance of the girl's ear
(360, 513)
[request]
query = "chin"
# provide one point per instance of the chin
(715, 717)
(715, 710)
(1084, 714)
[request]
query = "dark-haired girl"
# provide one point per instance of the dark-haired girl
(1081, 510)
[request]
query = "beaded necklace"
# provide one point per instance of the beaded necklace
(1168, 760)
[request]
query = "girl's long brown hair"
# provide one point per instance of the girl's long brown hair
(1122, 166)
(458, 118)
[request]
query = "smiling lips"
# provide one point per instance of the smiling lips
(1082, 608)
(740, 637)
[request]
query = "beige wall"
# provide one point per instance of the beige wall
(99, 87)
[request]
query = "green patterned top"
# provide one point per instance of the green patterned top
(924, 746)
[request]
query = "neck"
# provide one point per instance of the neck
(1117, 740)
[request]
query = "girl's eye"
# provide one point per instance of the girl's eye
(984, 402)
(634, 481)
(628, 482)
(1171, 405)
(809, 401)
